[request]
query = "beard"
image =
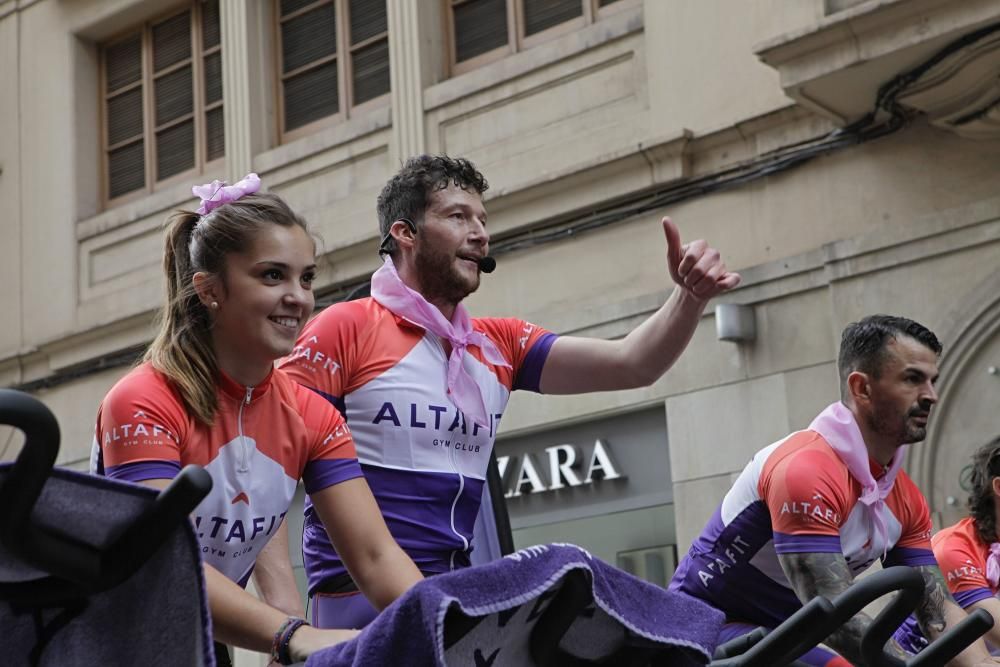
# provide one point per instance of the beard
(439, 278)
(886, 421)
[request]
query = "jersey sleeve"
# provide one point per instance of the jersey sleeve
(914, 546)
(140, 427)
(526, 347)
(332, 456)
(326, 353)
(808, 497)
(964, 569)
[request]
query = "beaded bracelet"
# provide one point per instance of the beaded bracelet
(279, 647)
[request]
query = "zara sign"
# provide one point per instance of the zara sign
(560, 466)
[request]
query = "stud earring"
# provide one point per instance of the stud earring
(214, 305)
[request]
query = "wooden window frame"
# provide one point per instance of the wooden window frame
(149, 128)
(344, 58)
(517, 40)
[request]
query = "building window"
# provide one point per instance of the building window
(333, 58)
(162, 88)
(485, 30)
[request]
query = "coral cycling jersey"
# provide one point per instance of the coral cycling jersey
(796, 496)
(425, 463)
(263, 440)
(962, 556)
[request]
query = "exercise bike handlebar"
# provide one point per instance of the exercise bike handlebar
(820, 617)
(64, 556)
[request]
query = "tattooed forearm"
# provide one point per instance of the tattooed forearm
(930, 611)
(827, 574)
(816, 574)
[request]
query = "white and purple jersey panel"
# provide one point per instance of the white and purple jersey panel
(796, 496)
(424, 461)
(263, 440)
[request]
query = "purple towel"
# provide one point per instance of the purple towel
(159, 616)
(484, 617)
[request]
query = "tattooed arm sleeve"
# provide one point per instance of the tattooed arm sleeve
(938, 611)
(827, 574)
(931, 610)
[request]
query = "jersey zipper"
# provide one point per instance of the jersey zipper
(461, 481)
(244, 465)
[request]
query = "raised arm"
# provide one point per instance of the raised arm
(827, 574)
(578, 365)
(358, 532)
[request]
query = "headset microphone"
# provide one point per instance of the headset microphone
(487, 264)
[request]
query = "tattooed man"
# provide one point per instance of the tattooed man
(813, 510)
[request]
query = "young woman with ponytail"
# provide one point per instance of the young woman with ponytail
(239, 275)
(969, 551)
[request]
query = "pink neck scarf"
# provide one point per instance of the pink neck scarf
(388, 289)
(993, 565)
(838, 427)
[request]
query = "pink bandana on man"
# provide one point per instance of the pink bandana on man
(388, 289)
(838, 427)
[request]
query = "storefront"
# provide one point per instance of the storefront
(604, 485)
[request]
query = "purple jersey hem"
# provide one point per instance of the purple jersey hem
(530, 375)
(325, 473)
(799, 544)
(910, 557)
(140, 471)
(966, 599)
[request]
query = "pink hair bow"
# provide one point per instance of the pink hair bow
(217, 193)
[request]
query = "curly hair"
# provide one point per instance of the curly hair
(863, 344)
(405, 195)
(985, 466)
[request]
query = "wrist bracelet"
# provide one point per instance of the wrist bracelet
(279, 647)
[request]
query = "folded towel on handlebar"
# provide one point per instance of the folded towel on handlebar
(555, 599)
(159, 616)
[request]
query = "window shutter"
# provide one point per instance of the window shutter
(540, 15)
(173, 96)
(369, 63)
(308, 37)
(175, 149)
(213, 78)
(312, 93)
(124, 117)
(480, 26)
(289, 6)
(171, 41)
(124, 63)
(215, 135)
(211, 30)
(126, 169)
(211, 40)
(371, 71)
(368, 19)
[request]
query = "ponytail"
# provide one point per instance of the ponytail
(182, 349)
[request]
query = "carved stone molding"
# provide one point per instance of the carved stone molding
(837, 66)
(962, 92)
